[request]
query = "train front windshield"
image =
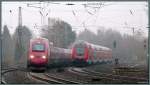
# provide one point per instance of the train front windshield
(80, 50)
(38, 47)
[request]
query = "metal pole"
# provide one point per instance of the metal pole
(65, 37)
(20, 17)
(133, 42)
(0, 43)
(20, 33)
(148, 55)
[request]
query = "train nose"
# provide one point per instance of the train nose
(39, 59)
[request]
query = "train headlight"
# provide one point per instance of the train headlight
(31, 56)
(44, 57)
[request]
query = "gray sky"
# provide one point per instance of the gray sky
(120, 16)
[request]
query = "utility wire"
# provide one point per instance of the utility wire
(96, 11)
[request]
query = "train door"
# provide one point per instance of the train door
(90, 60)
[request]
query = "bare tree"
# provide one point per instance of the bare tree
(7, 47)
(60, 33)
(21, 48)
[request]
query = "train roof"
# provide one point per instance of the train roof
(38, 38)
(100, 47)
(61, 50)
(80, 42)
(33, 40)
(92, 45)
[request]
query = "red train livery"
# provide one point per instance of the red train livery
(38, 54)
(83, 51)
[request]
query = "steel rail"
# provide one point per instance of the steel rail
(108, 76)
(4, 72)
(45, 79)
(115, 76)
(65, 81)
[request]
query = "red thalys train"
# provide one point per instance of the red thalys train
(38, 54)
(60, 57)
(83, 51)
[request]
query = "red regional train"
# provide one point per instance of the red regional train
(38, 54)
(84, 52)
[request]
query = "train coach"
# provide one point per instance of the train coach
(38, 53)
(84, 52)
(60, 56)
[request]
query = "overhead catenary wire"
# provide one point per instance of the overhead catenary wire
(97, 14)
(30, 11)
(42, 8)
(90, 6)
(96, 11)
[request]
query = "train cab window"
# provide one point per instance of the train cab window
(38, 47)
(80, 49)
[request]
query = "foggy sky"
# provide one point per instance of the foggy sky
(116, 15)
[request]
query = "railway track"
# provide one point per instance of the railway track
(96, 76)
(4, 71)
(115, 76)
(46, 78)
(87, 76)
(62, 80)
(40, 77)
(9, 69)
(65, 76)
(92, 77)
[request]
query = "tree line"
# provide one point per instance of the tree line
(14, 48)
(125, 47)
